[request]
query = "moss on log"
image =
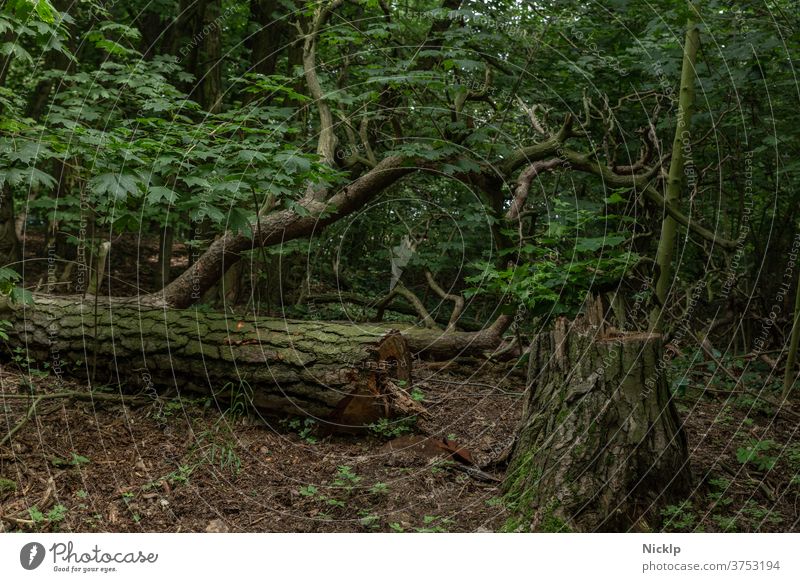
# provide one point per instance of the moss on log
(342, 374)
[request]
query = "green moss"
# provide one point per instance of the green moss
(520, 485)
(552, 523)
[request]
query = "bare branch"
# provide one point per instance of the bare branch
(458, 300)
(326, 144)
(539, 151)
(524, 181)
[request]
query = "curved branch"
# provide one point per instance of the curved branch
(410, 296)
(281, 226)
(524, 181)
(458, 300)
(549, 147)
(326, 144)
(641, 182)
(657, 199)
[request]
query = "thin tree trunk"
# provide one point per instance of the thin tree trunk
(675, 180)
(10, 252)
(267, 41)
(209, 72)
(163, 275)
(789, 375)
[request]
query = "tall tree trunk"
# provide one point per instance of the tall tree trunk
(268, 38)
(10, 251)
(344, 375)
(209, 72)
(197, 41)
(680, 144)
(601, 446)
(789, 375)
(165, 240)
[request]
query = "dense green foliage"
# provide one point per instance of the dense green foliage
(132, 117)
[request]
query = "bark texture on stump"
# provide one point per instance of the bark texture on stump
(343, 374)
(601, 447)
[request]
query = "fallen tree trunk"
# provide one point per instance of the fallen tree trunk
(601, 447)
(342, 374)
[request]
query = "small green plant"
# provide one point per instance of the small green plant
(758, 515)
(679, 518)
(725, 523)
(308, 491)
(218, 447)
(305, 428)
(346, 478)
(793, 457)
(752, 405)
(36, 515)
(9, 288)
(346, 481)
(181, 476)
(369, 520)
(5, 325)
(717, 496)
(396, 527)
(53, 517)
(755, 454)
(307, 433)
(379, 489)
(724, 418)
(82, 494)
(57, 514)
(241, 399)
(433, 524)
(313, 492)
(75, 460)
(385, 427)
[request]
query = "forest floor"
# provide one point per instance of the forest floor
(178, 465)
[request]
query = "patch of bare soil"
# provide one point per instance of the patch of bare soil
(192, 465)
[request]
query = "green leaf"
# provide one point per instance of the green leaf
(615, 198)
(593, 244)
(158, 193)
(118, 186)
(45, 11)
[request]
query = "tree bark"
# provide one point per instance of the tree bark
(681, 150)
(266, 42)
(10, 252)
(346, 376)
(601, 446)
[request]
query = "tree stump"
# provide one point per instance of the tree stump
(601, 446)
(344, 375)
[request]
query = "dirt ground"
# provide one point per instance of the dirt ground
(189, 465)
